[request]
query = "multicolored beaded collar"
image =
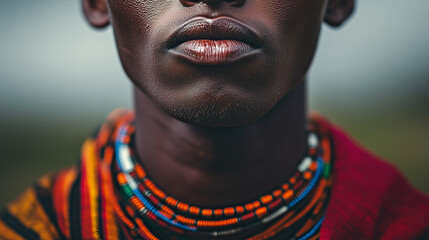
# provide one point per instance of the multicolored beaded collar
(294, 210)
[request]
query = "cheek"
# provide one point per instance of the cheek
(281, 13)
(297, 23)
(138, 10)
(135, 19)
(290, 14)
(133, 22)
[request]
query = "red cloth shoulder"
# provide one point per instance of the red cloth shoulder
(370, 199)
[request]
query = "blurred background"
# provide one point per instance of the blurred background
(60, 79)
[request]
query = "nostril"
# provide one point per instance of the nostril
(189, 3)
(234, 3)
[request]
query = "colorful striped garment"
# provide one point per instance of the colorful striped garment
(83, 202)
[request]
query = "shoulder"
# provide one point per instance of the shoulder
(370, 198)
(36, 213)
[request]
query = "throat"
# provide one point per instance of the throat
(221, 166)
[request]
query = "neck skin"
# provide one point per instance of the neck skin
(221, 166)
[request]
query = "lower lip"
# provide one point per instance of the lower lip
(213, 52)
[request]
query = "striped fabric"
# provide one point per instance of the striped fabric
(67, 205)
(70, 204)
(74, 203)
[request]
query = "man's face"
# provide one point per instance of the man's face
(216, 62)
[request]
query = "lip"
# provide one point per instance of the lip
(208, 41)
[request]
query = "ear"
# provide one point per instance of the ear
(96, 12)
(338, 11)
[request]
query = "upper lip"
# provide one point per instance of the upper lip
(220, 28)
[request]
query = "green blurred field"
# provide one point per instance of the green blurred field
(33, 147)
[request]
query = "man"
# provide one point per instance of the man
(219, 145)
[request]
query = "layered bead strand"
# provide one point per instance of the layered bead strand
(297, 204)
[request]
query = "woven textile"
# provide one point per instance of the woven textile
(369, 199)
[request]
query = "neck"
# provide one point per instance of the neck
(221, 166)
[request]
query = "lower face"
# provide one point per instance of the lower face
(216, 82)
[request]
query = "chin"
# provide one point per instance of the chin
(215, 112)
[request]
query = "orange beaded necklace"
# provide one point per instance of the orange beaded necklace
(295, 209)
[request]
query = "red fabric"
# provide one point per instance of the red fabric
(370, 199)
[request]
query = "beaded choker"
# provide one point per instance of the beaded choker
(293, 210)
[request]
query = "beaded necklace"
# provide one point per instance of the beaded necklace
(294, 210)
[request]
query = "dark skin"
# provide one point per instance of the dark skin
(218, 134)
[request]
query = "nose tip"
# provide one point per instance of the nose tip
(234, 3)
